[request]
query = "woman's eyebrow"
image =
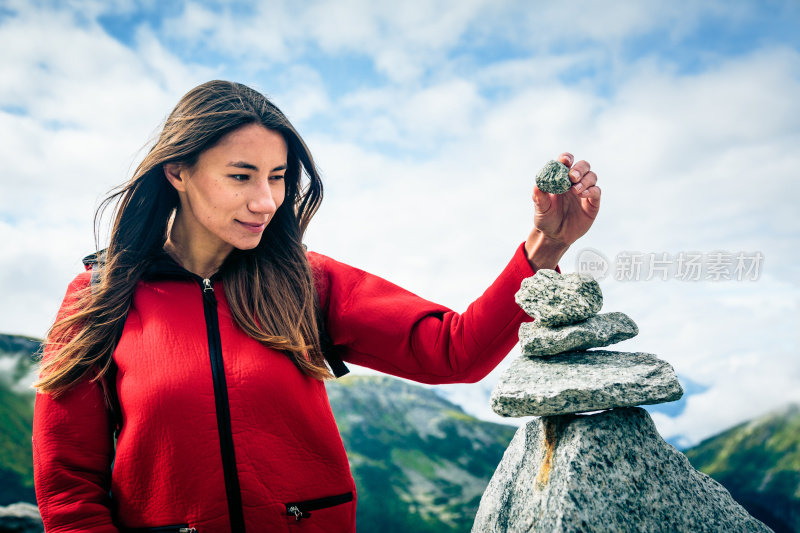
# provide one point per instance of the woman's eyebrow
(242, 164)
(248, 166)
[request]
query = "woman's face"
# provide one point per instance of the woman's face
(233, 190)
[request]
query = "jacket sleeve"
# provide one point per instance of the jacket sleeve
(72, 452)
(379, 325)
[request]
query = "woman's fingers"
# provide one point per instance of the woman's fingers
(585, 183)
(579, 170)
(584, 180)
(592, 194)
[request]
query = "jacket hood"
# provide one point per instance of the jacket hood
(160, 266)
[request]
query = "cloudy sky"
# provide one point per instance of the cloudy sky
(429, 121)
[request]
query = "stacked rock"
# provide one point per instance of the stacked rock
(606, 471)
(558, 373)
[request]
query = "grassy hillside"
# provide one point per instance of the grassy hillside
(420, 463)
(16, 413)
(759, 463)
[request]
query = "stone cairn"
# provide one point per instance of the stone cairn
(557, 374)
(604, 471)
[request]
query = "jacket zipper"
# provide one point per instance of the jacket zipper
(232, 489)
(178, 528)
(302, 510)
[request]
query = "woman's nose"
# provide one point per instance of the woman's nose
(262, 199)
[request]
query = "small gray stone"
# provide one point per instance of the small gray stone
(553, 178)
(609, 471)
(575, 382)
(596, 331)
(555, 299)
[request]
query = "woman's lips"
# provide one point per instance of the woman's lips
(256, 227)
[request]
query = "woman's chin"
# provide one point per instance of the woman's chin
(246, 246)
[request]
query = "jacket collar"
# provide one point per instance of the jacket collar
(160, 266)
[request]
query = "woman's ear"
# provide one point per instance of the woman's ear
(175, 174)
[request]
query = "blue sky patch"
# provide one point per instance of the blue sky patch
(673, 409)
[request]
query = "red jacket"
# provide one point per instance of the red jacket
(293, 473)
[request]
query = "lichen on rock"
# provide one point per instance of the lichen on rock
(555, 299)
(609, 471)
(579, 382)
(553, 178)
(538, 340)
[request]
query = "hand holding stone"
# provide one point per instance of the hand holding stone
(561, 219)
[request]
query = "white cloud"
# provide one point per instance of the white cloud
(402, 39)
(407, 41)
(78, 107)
(420, 120)
(304, 95)
(262, 37)
(748, 386)
(680, 159)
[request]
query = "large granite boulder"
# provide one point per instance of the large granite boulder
(574, 382)
(20, 518)
(555, 299)
(609, 471)
(537, 340)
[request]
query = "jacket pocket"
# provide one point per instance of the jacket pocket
(303, 509)
(177, 528)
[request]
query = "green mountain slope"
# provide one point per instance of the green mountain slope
(16, 414)
(759, 463)
(420, 463)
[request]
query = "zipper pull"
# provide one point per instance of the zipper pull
(295, 510)
(208, 291)
(187, 530)
(207, 285)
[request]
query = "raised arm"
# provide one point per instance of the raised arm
(72, 453)
(382, 326)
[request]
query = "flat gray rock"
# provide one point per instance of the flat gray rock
(556, 299)
(576, 382)
(609, 471)
(596, 331)
(554, 178)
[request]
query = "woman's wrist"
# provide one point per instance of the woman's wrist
(542, 251)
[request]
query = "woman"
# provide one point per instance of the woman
(206, 333)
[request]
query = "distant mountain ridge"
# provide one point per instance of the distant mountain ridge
(16, 414)
(420, 463)
(17, 365)
(758, 461)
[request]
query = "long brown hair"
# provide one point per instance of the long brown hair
(270, 289)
